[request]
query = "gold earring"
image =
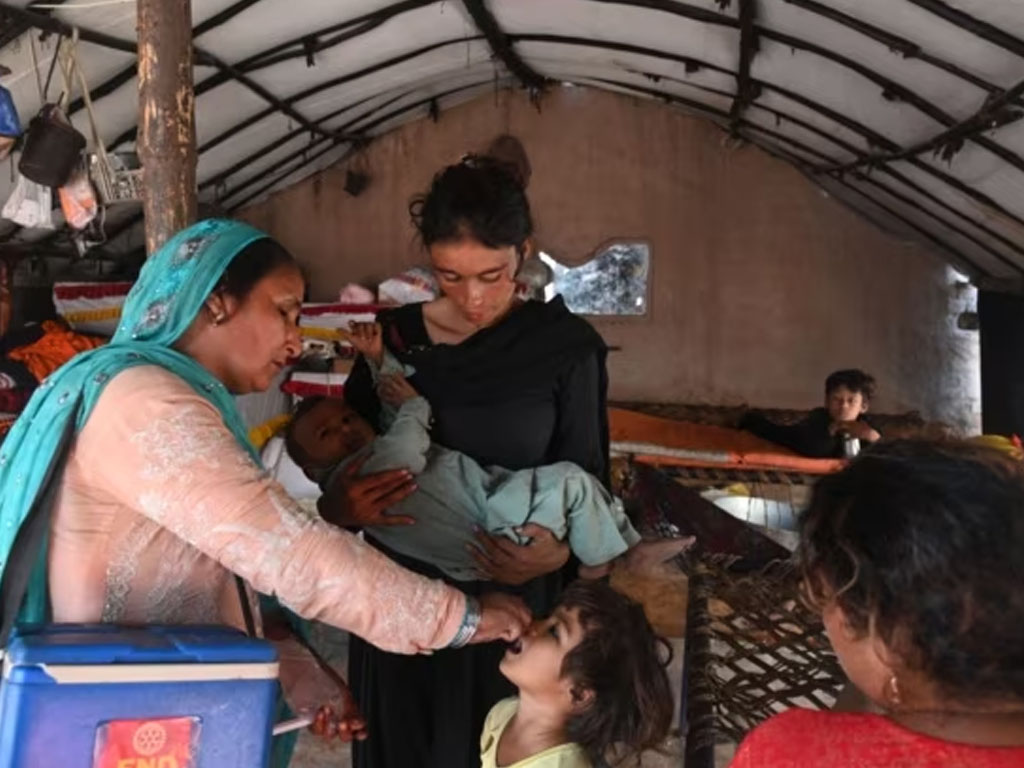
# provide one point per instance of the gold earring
(892, 692)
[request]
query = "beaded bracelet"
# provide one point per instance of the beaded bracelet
(469, 625)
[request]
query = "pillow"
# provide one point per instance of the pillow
(285, 471)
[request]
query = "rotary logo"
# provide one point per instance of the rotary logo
(149, 739)
(164, 743)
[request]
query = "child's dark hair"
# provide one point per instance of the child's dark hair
(291, 444)
(252, 264)
(618, 659)
(853, 379)
(478, 199)
(922, 543)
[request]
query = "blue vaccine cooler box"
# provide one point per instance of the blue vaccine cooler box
(103, 696)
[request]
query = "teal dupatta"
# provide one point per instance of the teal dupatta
(171, 290)
(169, 294)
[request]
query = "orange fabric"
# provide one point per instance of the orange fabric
(710, 446)
(56, 347)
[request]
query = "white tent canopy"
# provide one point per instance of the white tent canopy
(908, 110)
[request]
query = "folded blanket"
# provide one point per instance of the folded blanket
(55, 347)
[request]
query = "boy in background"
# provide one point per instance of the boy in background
(823, 432)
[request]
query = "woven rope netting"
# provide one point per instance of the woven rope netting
(757, 650)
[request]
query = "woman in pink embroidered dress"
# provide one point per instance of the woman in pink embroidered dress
(160, 505)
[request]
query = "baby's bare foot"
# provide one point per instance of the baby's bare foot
(646, 556)
(595, 571)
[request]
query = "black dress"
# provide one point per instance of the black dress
(529, 391)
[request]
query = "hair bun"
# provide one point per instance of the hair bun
(508, 152)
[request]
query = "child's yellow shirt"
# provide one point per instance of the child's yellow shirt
(563, 756)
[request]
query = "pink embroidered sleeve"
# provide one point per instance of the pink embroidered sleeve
(170, 456)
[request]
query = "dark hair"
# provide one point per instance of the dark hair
(477, 199)
(252, 264)
(510, 152)
(853, 379)
(924, 543)
(292, 445)
(618, 660)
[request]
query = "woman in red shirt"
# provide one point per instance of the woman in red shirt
(914, 554)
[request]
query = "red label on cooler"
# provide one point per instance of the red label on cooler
(166, 743)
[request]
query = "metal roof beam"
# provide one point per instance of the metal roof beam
(284, 175)
(958, 257)
(362, 128)
(908, 49)
(30, 18)
(12, 29)
(890, 172)
(994, 113)
(128, 223)
(966, 264)
(975, 26)
(803, 147)
(747, 91)
(890, 88)
(129, 46)
(903, 46)
(129, 135)
(342, 32)
(693, 12)
(222, 176)
(839, 118)
(353, 28)
(111, 84)
(893, 90)
(502, 47)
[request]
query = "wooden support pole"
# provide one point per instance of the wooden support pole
(167, 126)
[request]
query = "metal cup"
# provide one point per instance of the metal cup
(851, 446)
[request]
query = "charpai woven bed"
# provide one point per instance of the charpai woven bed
(752, 648)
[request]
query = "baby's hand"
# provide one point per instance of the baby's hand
(368, 340)
(349, 725)
(395, 390)
(859, 429)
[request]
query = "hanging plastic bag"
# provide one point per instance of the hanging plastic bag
(30, 205)
(78, 200)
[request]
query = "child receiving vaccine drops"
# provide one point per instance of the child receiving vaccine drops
(592, 686)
